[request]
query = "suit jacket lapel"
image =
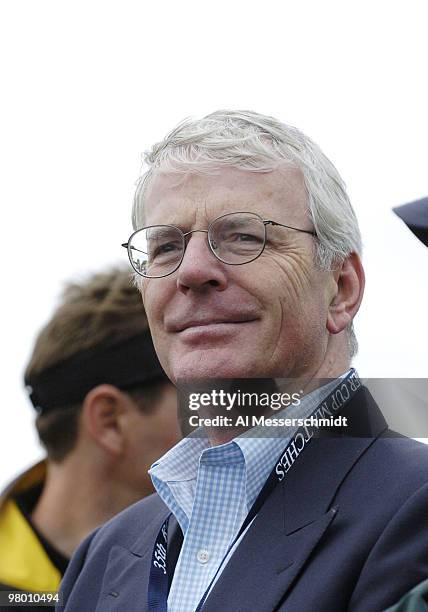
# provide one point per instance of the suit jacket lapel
(295, 517)
(126, 578)
(265, 562)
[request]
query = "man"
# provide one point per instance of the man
(106, 411)
(247, 252)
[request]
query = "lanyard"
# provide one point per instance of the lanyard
(158, 579)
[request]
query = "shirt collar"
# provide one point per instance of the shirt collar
(260, 449)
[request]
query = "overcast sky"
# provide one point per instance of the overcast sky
(88, 85)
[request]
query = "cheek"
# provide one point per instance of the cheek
(154, 307)
(294, 280)
(281, 291)
(293, 299)
(295, 276)
(154, 302)
(304, 324)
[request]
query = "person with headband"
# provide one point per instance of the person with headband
(105, 411)
(247, 253)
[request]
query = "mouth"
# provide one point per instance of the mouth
(213, 324)
(201, 324)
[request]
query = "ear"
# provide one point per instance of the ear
(348, 292)
(103, 408)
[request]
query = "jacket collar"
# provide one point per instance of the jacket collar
(26, 480)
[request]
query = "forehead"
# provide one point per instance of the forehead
(192, 199)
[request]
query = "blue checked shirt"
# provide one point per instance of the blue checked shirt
(210, 490)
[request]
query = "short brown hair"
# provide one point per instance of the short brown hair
(106, 307)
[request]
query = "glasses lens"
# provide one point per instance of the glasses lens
(156, 251)
(237, 238)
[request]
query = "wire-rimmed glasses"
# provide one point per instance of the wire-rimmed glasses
(234, 238)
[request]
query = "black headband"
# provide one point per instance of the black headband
(125, 365)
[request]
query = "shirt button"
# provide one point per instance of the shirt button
(203, 556)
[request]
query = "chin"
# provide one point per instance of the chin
(213, 364)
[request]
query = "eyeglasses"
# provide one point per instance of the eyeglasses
(235, 238)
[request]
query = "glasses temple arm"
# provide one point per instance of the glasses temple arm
(297, 229)
(126, 244)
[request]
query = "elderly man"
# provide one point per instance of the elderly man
(247, 253)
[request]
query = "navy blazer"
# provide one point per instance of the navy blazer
(347, 529)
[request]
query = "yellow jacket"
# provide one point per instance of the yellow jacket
(24, 562)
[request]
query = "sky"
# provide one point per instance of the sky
(89, 85)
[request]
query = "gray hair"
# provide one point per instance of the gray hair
(258, 143)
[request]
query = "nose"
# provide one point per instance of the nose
(200, 270)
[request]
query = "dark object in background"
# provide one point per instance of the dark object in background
(415, 216)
